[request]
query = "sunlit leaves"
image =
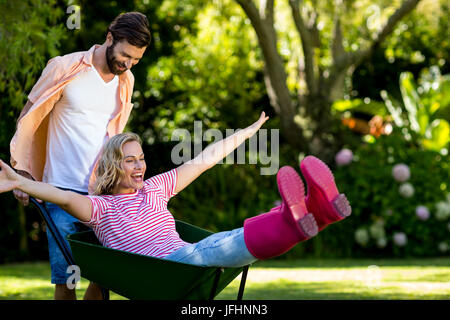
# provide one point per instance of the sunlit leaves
(425, 33)
(360, 105)
(211, 73)
(425, 107)
(29, 35)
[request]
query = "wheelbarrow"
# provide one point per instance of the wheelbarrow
(136, 276)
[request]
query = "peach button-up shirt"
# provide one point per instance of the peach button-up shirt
(28, 145)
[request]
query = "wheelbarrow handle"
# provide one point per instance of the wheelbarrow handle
(54, 231)
(59, 239)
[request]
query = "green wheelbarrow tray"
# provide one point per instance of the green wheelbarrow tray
(136, 276)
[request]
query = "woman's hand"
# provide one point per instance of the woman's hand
(9, 179)
(255, 126)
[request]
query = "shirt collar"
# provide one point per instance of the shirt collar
(89, 55)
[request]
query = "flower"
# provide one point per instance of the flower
(377, 230)
(422, 213)
(344, 157)
(400, 239)
(381, 242)
(277, 203)
(406, 190)
(362, 236)
(443, 247)
(442, 210)
(401, 172)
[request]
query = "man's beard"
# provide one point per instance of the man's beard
(112, 62)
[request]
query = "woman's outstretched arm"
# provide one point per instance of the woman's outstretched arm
(76, 204)
(213, 153)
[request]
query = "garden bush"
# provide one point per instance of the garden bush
(399, 196)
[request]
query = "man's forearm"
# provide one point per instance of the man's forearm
(25, 174)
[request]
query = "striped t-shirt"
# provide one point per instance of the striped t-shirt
(138, 222)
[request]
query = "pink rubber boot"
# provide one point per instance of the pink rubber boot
(273, 233)
(323, 198)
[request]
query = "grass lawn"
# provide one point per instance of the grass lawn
(286, 280)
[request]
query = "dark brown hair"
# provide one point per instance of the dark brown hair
(132, 27)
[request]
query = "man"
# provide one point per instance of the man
(79, 102)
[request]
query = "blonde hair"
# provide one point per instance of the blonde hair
(109, 170)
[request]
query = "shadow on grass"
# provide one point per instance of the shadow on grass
(350, 263)
(286, 290)
(32, 293)
(46, 292)
(31, 271)
(394, 282)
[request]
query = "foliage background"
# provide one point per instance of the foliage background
(204, 64)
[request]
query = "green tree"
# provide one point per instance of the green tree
(335, 38)
(417, 43)
(30, 34)
(212, 76)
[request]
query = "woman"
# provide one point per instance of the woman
(129, 213)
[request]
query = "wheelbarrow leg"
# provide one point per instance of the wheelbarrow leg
(242, 285)
(105, 294)
(219, 272)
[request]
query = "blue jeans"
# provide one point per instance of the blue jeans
(66, 224)
(223, 249)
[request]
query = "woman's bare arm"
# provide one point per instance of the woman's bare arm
(212, 154)
(76, 204)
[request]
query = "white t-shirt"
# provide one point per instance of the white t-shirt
(77, 129)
